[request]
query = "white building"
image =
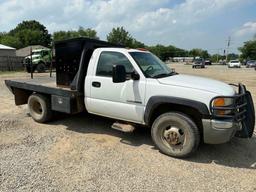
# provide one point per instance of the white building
(182, 59)
(7, 51)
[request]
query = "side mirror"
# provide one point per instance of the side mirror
(118, 74)
(135, 76)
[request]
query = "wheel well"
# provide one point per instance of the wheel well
(191, 112)
(41, 62)
(21, 95)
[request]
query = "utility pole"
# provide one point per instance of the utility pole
(218, 53)
(227, 51)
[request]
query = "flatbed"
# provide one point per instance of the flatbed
(63, 99)
(43, 84)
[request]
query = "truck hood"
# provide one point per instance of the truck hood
(200, 83)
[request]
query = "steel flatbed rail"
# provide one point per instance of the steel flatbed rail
(42, 85)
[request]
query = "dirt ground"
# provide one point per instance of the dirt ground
(82, 152)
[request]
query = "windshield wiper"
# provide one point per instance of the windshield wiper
(161, 75)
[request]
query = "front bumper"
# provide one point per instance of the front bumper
(234, 66)
(219, 131)
(240, 120)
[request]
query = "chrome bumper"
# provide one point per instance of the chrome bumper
(219, 131)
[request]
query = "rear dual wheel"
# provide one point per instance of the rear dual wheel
(175, 134)
(39, 107)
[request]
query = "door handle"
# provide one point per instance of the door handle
(96, 84)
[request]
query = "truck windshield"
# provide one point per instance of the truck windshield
(198, 60)
(151, 65)
(36, 53)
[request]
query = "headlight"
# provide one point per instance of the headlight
(222, 102)
(219, 102)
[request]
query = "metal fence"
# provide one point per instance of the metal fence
(11, 63)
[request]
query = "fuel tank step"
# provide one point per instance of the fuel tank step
(124, 127)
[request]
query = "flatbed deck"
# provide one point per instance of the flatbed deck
(42, 85)
(63, 99)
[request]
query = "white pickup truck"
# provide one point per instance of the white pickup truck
(136, 88)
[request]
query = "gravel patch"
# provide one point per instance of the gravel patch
(82, 153)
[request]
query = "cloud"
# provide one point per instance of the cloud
(247, 29)
(161, 21)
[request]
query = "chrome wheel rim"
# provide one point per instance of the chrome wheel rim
(174, 137)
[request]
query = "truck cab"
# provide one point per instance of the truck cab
(135, 87)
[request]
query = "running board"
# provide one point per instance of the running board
(127, 128)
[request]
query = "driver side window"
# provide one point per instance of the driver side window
(108, 59)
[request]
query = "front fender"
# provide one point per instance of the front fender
(36, 61)
(155, 101)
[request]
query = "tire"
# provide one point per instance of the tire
(40, 67)
(39, 107)
(171, 124)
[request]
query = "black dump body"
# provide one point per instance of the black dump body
(66, 90)
(72, 59)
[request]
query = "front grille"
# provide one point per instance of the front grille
(236, 111)
(27, 61)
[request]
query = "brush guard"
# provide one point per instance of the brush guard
(240, 111)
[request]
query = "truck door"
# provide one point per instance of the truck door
(123, 101)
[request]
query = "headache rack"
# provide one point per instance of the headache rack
(237, 110)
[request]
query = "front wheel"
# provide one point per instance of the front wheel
(175, 134)
(40, 67)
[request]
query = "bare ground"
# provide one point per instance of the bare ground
(82, 152)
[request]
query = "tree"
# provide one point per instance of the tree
(31, 32)
(199, 53)
(25, 34)
(137, 44)
(248, 50)
(2, 34)
(10, 41)
(120, 36)
(81, 32)
(91, 33)
(161, 51)
(217, 57)
(232, 56)
(165, 52)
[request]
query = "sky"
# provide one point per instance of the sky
(187, 24)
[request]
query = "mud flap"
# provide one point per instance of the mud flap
(249, 122)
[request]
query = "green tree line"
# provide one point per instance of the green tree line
(34, 33)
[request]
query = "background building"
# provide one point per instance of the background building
(23, 52)
(7, 51)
